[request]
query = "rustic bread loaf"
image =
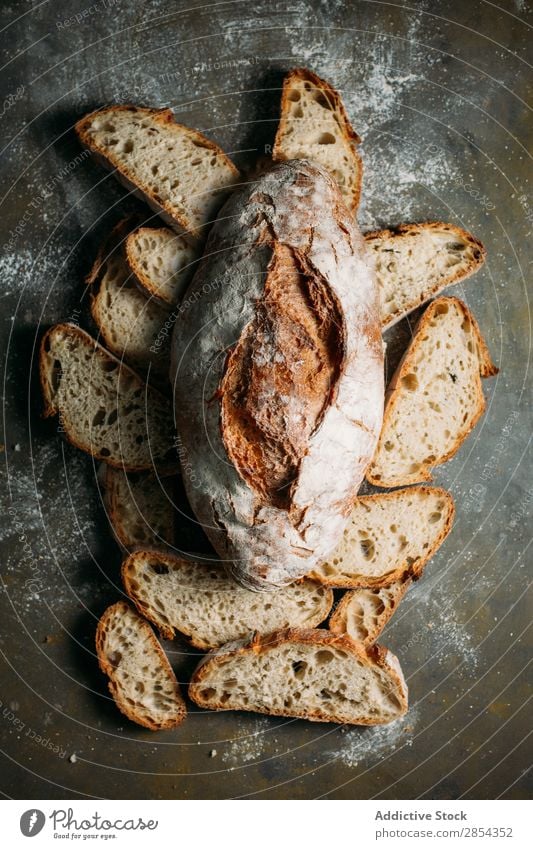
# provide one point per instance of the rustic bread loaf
(389, 536)
(315, 675)
(141, 679)
(363, 613)
(180, 173)
(277, 364)
(202, 602)
(139, 508)
(414, 262)
(131, 325)
(314, 125)
(435, 397)
(104, 407)
(162, 262)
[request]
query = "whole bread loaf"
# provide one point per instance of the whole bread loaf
(277, 364)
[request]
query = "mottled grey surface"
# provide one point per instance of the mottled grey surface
(438, 93)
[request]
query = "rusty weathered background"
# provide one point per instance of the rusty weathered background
(438, 92)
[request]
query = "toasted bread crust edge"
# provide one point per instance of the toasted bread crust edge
(375, 654)
(165, 117)
(338, 616)
(486, 369)
(405, 570)
(347, 130)
(168, 631)
(117, 609)
(50, 409)
(403, 230)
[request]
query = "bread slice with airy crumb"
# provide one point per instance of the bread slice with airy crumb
(133, 327)
(435, 397)
(180, 173)
(389, 536)
(314, 125)
(141, 679)
(200, 601)
(414, 262)
(162, 262)
(363, 613)
(139, 507)
(104, 407)
(311, 674)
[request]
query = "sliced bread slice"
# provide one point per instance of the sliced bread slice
(389, 536)
(134, 327)
(139, 508)
(435, 397)
(181, 174)
(202, 602)
(162, 262)
(414, 262)
(104, 407)
(314, 125)
(141, 679)
(310, 674)
(362, 614)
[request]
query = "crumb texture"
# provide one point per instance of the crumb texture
(435, 397)
(416, 262)
(363, 613)
(140, 508)
(387, 536)
(305, 678)
(314, 126)
(162, 261)
(202, 602)
(104, 407)
(129, 322)
(140, 677)
(177, 168)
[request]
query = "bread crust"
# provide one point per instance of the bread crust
(394, 390)
(349, 134)
(299, 205)
(338, 616)
(164, 117)
(372, 656)
(406, 570)
(119, 609)
(404, 230)
(50, 408)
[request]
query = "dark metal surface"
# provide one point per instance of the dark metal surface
(437, 90)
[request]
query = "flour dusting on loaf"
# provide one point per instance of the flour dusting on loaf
(278, 375)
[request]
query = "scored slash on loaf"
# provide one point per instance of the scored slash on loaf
(278, 375)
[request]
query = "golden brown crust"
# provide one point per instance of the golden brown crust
(165, 117)
(337, 619)
(404, 230)
(114, 511)
(347, 130)
(405, 570)
(119, 609)
(373, 655)
(394, 390)
(50, 409)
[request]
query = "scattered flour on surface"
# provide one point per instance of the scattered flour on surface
(357, 745)
(250, 742)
